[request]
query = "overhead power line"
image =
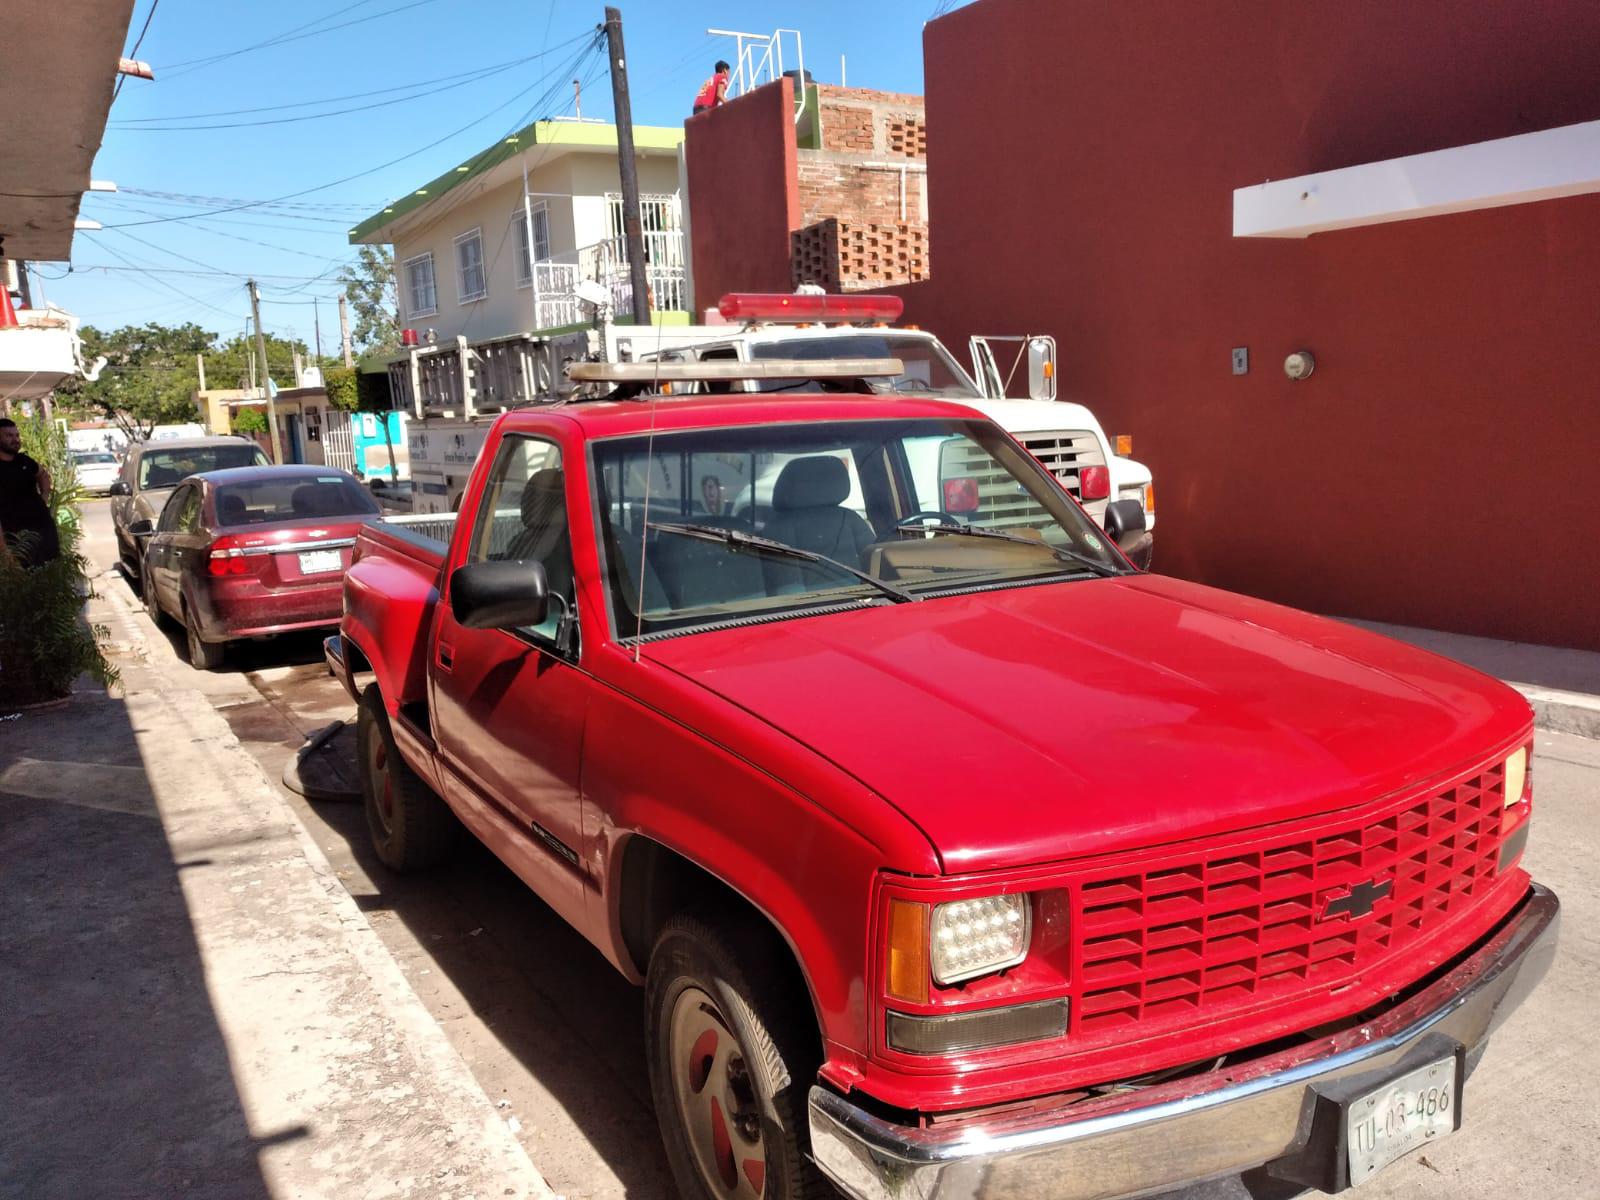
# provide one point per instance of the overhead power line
(134, 53)
(298, 33)
(322, 187)
(459, 79)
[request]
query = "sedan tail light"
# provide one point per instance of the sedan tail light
(228, 558)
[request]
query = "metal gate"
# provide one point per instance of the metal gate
(338, 442)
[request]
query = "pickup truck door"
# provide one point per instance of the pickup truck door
(509, 705)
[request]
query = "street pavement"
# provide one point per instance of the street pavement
(553, 1035)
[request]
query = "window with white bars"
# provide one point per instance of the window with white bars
(658, 212)
(422, 298)
(471, 282)
(541, 240)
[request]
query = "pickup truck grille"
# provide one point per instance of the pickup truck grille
(1243, 924)
(1063, 453)
(1002, 504)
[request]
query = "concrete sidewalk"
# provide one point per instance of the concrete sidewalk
(194, 1004)
(1562, 685)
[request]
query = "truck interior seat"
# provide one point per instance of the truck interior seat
(808, 512)
(544, 536)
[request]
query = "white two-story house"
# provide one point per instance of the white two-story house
(489, 255)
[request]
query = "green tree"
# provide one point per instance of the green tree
(149, 377)
(228, 363)
(374, 301)
(249, 421)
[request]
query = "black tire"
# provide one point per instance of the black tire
(411, 827)
(734, 967)
(203, 655)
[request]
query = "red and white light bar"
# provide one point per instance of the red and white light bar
(787, 306)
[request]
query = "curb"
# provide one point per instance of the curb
(1563, 712)
(432, 1054)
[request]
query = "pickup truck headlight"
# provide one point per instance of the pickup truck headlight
(969, 938)
(1516, 775)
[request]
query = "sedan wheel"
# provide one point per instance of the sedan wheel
(203, 655)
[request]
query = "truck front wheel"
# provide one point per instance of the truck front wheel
(411, 827)
(730, 1065)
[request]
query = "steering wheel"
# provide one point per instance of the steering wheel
(910, 524)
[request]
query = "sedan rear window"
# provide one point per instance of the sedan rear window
(312, 497)
(168, 468)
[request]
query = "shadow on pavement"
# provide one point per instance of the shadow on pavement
(116, 1079)
(549, 996)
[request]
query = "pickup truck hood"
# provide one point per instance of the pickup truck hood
(1034, 724)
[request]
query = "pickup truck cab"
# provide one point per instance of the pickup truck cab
(1062, 434)
(956, 859)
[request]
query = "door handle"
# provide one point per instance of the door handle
(446, 656)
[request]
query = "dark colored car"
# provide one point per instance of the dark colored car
(152, 469)
(251, 552)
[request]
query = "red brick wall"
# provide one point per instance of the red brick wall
(743, 200)
(1442, 467)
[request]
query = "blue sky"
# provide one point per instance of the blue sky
(295, 248)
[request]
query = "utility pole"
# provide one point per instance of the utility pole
(632, 230)
(22, 284)
(266, 373)
(344, 330)
(316, 324)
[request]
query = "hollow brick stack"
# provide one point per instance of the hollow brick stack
(843, 255)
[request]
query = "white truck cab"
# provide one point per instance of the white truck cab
(1062, 435)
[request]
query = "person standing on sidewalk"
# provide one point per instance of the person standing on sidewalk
(24, 501)
(713, 91)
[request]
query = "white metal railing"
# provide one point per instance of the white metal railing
(605, 262)
(338, 442)
(759, 58)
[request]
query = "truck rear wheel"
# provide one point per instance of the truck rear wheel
(730, 1065)
(411, 827)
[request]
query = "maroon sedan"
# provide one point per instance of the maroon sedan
(252, 551)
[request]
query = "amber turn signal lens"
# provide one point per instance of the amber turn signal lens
(907, 967)
(1124, 444)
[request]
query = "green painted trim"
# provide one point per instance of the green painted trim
(540, 133)
(808, 130)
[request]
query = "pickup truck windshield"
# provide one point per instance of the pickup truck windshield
(891, 499)
(929, 370)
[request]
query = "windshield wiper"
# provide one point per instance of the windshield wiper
(737, 539)
(1061, 552)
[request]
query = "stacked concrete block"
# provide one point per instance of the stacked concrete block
(844, 255)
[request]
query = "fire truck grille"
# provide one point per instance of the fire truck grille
(1248, 922)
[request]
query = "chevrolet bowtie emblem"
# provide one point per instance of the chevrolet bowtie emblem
(1356, 902)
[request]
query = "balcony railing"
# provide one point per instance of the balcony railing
(556, 279)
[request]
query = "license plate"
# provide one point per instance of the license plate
(1393, 1120)
(314, 562)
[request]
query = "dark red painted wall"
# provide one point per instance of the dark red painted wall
(743, 193)
(1442, 466)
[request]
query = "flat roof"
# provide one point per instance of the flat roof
(558, 137)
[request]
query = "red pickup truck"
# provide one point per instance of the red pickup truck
(957, 857)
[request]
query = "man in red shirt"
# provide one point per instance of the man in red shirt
(713, 91)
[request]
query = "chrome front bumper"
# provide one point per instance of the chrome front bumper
(1269, 1113)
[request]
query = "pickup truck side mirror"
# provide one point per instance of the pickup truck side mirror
(143, 527)
(119, 488)
(500, 595)
(1125, 523)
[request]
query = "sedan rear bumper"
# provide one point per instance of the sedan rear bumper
(1267, 1113)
